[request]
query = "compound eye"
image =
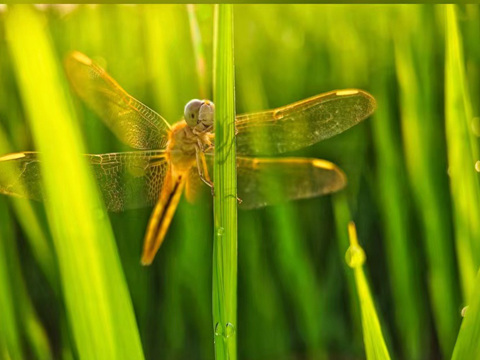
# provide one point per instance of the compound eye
(191, 112)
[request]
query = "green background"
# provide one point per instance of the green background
(412, 189)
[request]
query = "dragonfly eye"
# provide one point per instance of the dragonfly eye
(192, 111)
(206, 114)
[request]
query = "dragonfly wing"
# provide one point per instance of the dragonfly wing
(263, 182)
(303, 123)
(131, 121)
(127, 180)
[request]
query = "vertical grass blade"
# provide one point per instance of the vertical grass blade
(468, 341)
(10, 334)
(422, 137)
(30, 326)
(31, 225)
(198, 51)
(342, 219)
(393, 188)
(98, 305)
(375, 346)
(462, 155)
(225, 200)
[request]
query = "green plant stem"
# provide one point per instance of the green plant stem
(462, 153)
(98, 305)
(225, 199)
(375, 346)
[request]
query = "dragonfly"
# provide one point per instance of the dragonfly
(170, 160)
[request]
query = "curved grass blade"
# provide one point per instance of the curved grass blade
(462, 153)
(30, 224)
(422, 140)
(10, 329)
(98, 305)
(375, 346)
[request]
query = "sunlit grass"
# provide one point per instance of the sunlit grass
(97, 300)
(30, 223)
(375, 346)
(396, 221)
(468, 341)
(417, 222)
(423, 140)
(462, 155)
(225, 198)
(10, 335)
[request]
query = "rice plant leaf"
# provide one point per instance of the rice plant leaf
(375, 346)
(463, 149)
(422, 141)
(98, 304)
(468, 340)
(462, 154)
(10, 330)
(224, 175)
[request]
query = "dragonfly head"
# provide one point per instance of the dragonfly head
(199, 113)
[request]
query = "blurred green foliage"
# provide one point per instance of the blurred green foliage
(296, 295)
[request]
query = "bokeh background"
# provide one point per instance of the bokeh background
(413, 188)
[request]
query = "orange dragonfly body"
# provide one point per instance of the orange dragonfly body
(170, 159)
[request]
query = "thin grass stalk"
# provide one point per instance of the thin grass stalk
(10, 329)
(225, 199)
(422, 143)
(98, 305)
(342, 216)
(31, 327)
(468, 340)
(198, 51)
(463, 152)
(375, 346)
(269, 320)
(392, 180)
(31, 225)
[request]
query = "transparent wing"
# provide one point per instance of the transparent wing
(131, 121)
(263, 182)
(303, 123)
(127, 180)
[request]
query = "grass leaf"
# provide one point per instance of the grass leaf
(225, 200)
(375, 346)
(98, 305)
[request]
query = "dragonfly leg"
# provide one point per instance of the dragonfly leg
(202, 168)
(208, 148)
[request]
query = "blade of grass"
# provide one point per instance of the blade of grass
(29, 323)
(462, 154)
(261, 309)
(41, 247)
(297, 268)
(98, 304)
(156, 21)
(375, 346)
(422, 137)
(393, 188)
(10, 335)
(198, 50)
(468, 341)
(263, 313)
(342, 218)
(225, 200)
